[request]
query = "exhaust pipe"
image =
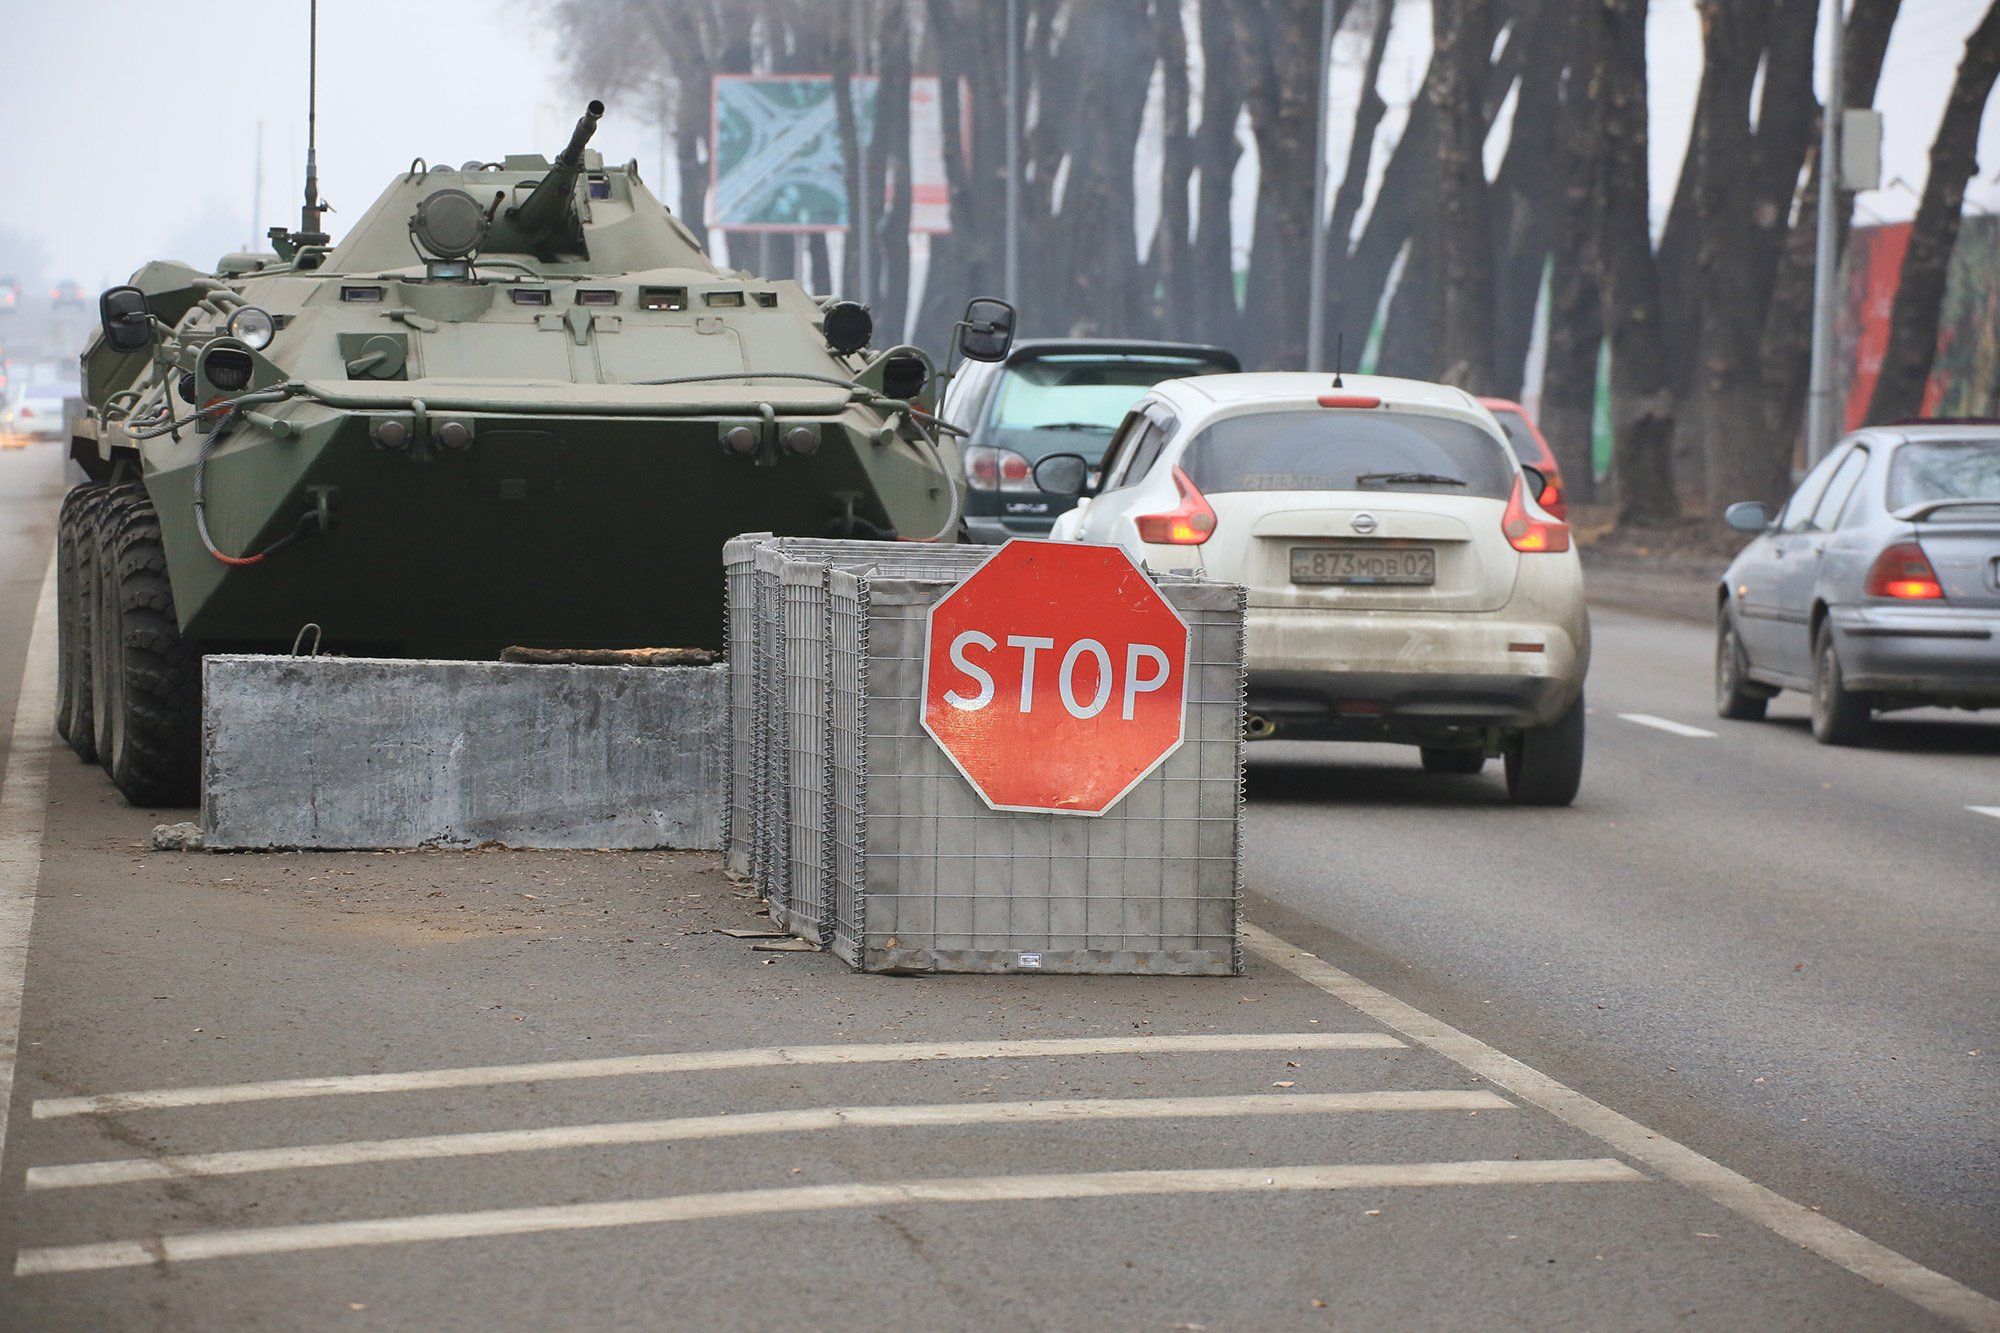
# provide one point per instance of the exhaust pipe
(1257, 727)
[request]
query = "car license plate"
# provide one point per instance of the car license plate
(1365, 566)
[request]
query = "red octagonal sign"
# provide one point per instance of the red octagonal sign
(1055, 677)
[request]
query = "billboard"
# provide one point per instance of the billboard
(1965, 378)
(775, 153)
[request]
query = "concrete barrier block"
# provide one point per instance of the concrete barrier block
(330, 753)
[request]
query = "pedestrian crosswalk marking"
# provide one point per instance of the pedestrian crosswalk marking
(189, 1247)
(689, 1128)
(686, 1062)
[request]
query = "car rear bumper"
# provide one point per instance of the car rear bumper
(1940, 654)
(985, 530)
(1405, 677)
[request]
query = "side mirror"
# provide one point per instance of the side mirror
(128, 324)
(1537, 481)
(1747, 516)
(987, 331)
(1063, 474)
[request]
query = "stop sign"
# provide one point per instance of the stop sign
(1055, 677)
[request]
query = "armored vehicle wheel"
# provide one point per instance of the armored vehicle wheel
(75, 545)
(151, 746)
(93, 538)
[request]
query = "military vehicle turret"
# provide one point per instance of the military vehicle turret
(516, 404)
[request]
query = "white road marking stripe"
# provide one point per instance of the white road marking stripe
(1822, 1235)
(1665, 724)
(24, 791)
(190, 1246)
(686, 1128)
(1993, 810)
(683, 1062)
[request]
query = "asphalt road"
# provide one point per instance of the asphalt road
(1776, 960)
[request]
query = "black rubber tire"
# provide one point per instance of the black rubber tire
(98, 589)
(1545, 764)
(1840, 716)
(152, 748)
(1735, 697)
(74, 549)
(1461, 762)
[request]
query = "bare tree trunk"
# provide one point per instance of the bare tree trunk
(1525, 199)
(1170, 247)
(1409, 327)
(889, 155)
(1368, 112)
(1391, 225)
(1280, 40)
(969, 41)
(1211, 276)
(1576, 314)
(1735, 33)
(1642, 397)
(1913, 320)
(1463, 32)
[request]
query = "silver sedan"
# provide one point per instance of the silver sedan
(1876, 587)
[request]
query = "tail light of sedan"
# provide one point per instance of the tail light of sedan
(1551, 497)
(990, 469)
(1904, 572)
(1525, 532)
(1189, 523)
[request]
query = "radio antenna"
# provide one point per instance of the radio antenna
(1339, 357)
(309, 216)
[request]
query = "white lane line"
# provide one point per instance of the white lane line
(1822, 1235)
(684, 1062)
(1666, 724)
(24, 792)
(1993, 810)
(687, 1128)
(190, 1246)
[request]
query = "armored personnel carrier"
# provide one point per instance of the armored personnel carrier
(516, 404)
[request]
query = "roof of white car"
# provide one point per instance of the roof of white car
(1305, 388)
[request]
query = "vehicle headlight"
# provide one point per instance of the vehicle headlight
(252, 327)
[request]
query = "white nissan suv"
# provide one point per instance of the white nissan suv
(1404, 585)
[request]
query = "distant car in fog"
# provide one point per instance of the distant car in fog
(67, 295)
(10, 295)
(1532, 449)
(1052, 395)
(1876, 587)
(36, 415)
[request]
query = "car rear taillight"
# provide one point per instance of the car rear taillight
(1524, 532)
(25, 412)
(990, 469)
(1189, 523)
(1904, 572)
(1349, 400)
(1551, 498)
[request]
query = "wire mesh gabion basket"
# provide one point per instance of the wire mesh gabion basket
(893, 860)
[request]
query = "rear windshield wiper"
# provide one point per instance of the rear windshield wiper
(1071, 425)
(1409, 479)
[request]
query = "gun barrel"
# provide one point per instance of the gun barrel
(551, 207)
(586, 125)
